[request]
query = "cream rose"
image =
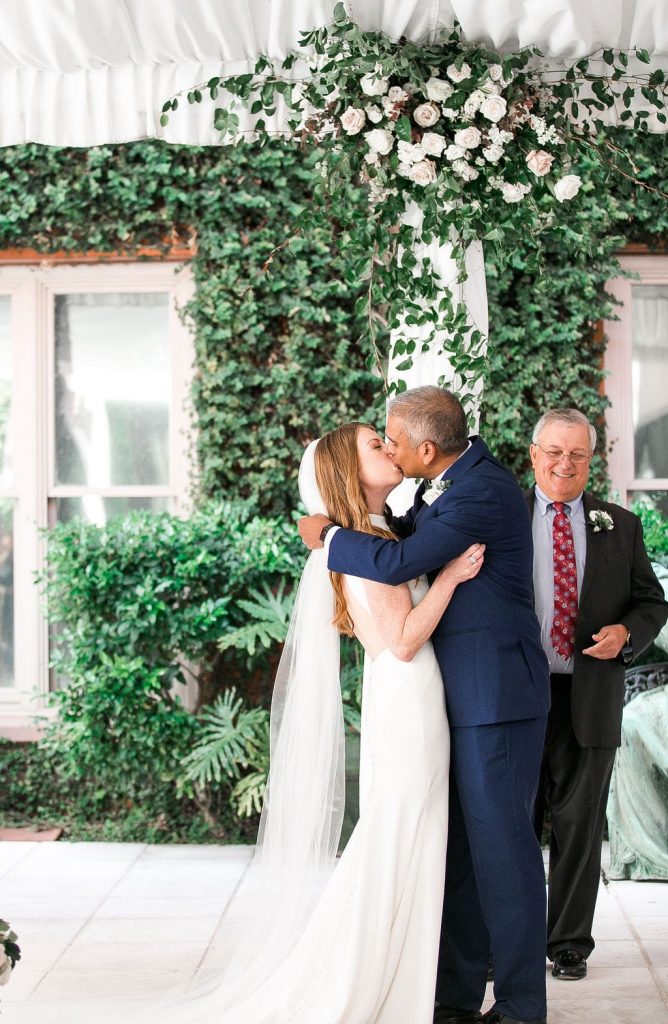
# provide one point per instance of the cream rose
(5, 967)
(426, 115)
(379, 141)
(423, 172)
(464, 170)
(438, 90)
(493, 108)
(567, 187)
(432, 144)
(495, 72)
(410, 153)
(454, 152)
(374, 85)
(449, 112)
(468, 138)
(493, 153)
(397, 94)
(458, 74)
(353, 120)
(539, 162)
(513, 193)
(374, 113)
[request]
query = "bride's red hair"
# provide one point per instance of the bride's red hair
(337, 472)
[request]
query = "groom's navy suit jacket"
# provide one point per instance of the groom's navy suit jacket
(488, 641)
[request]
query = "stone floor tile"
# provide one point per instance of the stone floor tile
(151, 909)
(650, 927)
(155, 931)
(616, 953)
(604, 982)
(115, 958)
(657, 951)
(609, 1011)
(49, 908)
(69, 986)
(34, 881)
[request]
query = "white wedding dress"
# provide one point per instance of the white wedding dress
(369, 952)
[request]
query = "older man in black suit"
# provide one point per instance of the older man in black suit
(599, 605)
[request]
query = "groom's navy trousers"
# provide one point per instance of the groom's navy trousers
(497, 693)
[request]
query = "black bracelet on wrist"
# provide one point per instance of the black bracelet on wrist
(325, 530)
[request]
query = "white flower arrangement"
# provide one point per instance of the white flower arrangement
(458, 130)
(435, 490)
(600, 520)
(10, 953)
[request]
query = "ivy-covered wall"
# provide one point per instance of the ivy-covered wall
(277, 340)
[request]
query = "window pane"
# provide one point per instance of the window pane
(113, 389)
(6, 592)
(100, 510)
(6, 380)
(650, 373)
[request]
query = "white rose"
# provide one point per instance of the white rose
(372, 158)
(468, 138)
(409, 153)
(374, 113)
(458, 75)
(379, 141)
(454, 152)
(437, 89)
(493, 153)
(567, 187)
(423, 173)
(490, 88)
(397, 94)
(464, 170)
(539, 162)
(473, 103)
(432, 144)
(513, 193)
(373, 85)
(449, 112)
(493, 108)
(352, 120)
(404, 170)
(426, 115)
(495, 72)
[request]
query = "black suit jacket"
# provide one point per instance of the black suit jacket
(619, 585)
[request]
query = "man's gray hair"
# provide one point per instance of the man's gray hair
(570, 416)
(430, 413)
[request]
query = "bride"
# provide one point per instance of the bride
(353, 941)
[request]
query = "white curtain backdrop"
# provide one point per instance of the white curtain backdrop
(88, 72)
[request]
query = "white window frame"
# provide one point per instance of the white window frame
(32, 290)
(651, 269)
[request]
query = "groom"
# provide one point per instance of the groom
(497, 691)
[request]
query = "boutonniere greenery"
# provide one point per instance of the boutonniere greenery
(435, 489)
(600, 520)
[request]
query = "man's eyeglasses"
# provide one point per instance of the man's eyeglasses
(557, 454)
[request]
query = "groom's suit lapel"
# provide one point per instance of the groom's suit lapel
(458, 469)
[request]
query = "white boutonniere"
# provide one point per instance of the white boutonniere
(435, 490)
(600, 520)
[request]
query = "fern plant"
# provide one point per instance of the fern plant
(269, 618)
(234, 747)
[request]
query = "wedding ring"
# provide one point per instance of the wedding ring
(472, 558)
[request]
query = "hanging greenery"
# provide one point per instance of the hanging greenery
(454, 141)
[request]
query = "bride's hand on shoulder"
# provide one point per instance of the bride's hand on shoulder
(465, 566)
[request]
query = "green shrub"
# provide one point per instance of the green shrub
(139, 605)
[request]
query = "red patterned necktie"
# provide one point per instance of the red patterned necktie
(565, 583)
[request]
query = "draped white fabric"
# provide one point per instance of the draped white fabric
(87, 72)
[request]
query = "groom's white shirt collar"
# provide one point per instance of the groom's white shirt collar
(446, 471)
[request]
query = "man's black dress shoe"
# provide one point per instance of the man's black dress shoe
(495, 1017)
(569, 965)
(449, 1015)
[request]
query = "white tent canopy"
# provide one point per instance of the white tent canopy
(88, 72)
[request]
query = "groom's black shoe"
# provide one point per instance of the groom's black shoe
(449, 1015)
(496, 1017)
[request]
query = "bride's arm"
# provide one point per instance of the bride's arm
(404, 628)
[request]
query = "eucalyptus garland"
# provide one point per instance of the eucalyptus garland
(478, 144)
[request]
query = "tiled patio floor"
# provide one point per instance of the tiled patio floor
(96, 919)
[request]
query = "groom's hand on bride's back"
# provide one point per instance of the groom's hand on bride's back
(310, 528)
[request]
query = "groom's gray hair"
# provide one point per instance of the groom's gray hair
(429, 413)
(571, 416)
